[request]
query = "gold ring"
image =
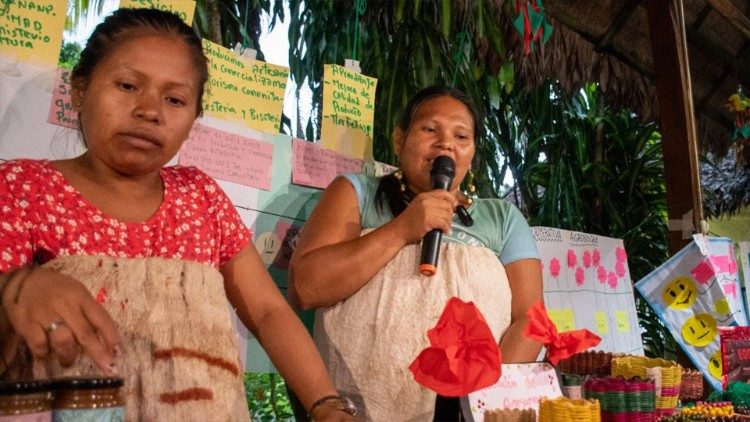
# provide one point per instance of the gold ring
(54, 326)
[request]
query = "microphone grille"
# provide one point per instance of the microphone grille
(443, 165)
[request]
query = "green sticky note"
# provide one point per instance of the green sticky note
(563, 319)
(602, 325)
(623, 321)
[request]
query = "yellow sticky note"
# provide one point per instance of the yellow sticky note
(563, 319)
(251, 92)
(348, 111)
(183, 8)
(602, 323)
(623, 321)
(31, 31)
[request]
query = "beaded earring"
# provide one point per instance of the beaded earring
(470, 188)
(399, 175)
(461, 211)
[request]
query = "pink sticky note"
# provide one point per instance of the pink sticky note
(730, 288)
(703, 272)
(61, 108)
(620, 268)
(596, 257)
(587, 258)
(601, 274)
(620, 254)
(554, 267)
(579, 276)
(312, 165)
(572, 258)
(227, 156)
(612, 279)
(723, 264)
(346, 164)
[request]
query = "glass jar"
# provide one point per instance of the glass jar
(89, 399)
(26, 401)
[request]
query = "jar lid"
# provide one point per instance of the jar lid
(25, 386)
(70, 383)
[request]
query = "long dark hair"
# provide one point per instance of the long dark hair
(125, 24)
(389, 188)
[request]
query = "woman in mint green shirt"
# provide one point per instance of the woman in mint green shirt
(358, 256)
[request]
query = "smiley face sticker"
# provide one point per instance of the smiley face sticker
(699, 330)
(714, 365)
(680, 293)
(267, 244)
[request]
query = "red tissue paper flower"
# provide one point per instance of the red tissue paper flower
(463, 356)
(559, 346)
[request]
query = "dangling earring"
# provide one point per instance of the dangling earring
(470, 188)
(461, 211)
(399, 175)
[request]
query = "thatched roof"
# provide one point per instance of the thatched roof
(608, 41)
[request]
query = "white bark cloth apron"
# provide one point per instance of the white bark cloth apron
(369, 340)
(181, 361)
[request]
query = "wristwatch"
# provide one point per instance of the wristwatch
(342, 403)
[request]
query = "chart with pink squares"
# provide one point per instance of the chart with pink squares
(587, 285)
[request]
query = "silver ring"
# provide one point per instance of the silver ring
(54, 326)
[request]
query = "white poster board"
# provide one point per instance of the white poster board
(587, 285)
(25, 99)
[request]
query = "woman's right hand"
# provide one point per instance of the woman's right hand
(427, 211)
(57, 316)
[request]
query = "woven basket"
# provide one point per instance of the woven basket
(510, 415)
(691, 386)
(568, 410)
(587, 363)
(622, 399)
(667, 376)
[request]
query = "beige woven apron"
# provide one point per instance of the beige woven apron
(177, 334)
(369, 340)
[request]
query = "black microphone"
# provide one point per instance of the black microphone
(441, 177)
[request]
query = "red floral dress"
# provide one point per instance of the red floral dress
(43, 217)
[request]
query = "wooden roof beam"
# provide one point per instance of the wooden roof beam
(720, 116)
(677, 119)
(576, 27)
(733, 15)
(716, 52)
(719, 81)
(618, 22)
(708, 47)
(701, 17)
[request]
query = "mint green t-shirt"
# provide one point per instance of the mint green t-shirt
(498, 224)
